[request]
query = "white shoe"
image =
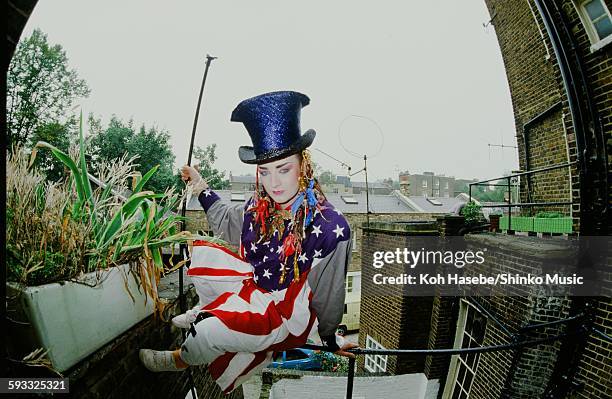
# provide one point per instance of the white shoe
(184, 320)
(157, 361)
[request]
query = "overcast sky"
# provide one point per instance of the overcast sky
(427, 74)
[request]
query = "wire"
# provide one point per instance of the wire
(382, 137)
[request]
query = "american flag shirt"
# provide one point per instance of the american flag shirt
(263, 314)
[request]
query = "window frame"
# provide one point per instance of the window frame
(375, 363)
(349, 284)
(456, 363)
(596, 42)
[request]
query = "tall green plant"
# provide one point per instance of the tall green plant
(117, 231)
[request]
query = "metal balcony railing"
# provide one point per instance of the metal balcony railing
(509, 184)
(518, 340)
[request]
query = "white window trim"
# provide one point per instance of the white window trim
(601, 44)
(375, 363)
(454, 364)
(350, 279)
(354, 233)
(596, 42)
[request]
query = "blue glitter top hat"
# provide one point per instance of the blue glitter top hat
(273, 122)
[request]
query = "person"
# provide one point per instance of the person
(287, 280)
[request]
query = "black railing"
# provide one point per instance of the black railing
(518, 340)
(510, 185)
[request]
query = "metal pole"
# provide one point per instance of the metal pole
(365, 169)
(509, 206)
(351, 375)
(470, 192)
(182, 303)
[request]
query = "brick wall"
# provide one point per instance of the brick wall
(536, 84)
(115, 370)
(394, 320)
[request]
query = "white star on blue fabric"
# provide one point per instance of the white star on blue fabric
(207, 192)
(264, 258)
(317, 253)
(279, 250)
(250, 226)
(317, 230)
(302, 258)
(339, 231)
(253, 247)
(256, 277)
(267, 273)
(267, 243)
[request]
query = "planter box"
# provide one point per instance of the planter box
(519, 223)
(552, 225)
(73, 320)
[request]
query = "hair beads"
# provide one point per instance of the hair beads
(268, 218)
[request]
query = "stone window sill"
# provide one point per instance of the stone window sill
(601, 44)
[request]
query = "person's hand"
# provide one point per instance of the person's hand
(190, 174)
(193, 178)
(343, 350)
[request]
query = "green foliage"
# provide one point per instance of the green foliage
(60, 136)
(472, 212)
(58, 231)
(206, 160)
(327, 177)
(331, 362)
(40, 86)
(151, 146)
(549, 215)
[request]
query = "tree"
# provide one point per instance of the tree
(59, 135)
(327, 177)
(151, 146)
(40, 87)
(207, 157)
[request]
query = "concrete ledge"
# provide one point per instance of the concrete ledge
(530, 247)
(410, 227)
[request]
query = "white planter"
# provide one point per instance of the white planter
(73, 320)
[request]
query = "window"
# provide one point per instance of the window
(437, 183)
(424, 184)
(597, 22)
(434, 202)
(471, 328)
(446, 185)
(348, 284)
(375, 363)
(348, 199)
(237, 197)
(354, 245)
(345, 309)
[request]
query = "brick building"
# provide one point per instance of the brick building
(427, 184)
(557, 59)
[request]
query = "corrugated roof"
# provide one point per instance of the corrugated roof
(378, 203)
(243, 179)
